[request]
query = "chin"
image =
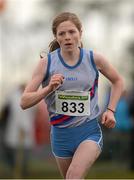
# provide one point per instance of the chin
(68, 49)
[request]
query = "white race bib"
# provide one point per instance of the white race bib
(73, 103)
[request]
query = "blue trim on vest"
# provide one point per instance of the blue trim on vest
(66, 65)
(93, 89)
(93, 63)
(48, 67)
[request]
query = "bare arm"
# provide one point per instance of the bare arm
(32, 93)
(116, 84)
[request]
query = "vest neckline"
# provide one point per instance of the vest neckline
(66, 65)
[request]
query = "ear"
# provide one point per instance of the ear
(81, 33)
(55, 37)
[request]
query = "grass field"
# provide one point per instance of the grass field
(48, 170)
(42, 165)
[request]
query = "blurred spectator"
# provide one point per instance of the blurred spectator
(131, 111)
(42, 126)
(122, 130)
(42, 131)
(124, 123)
(119, 138)
(18, 133)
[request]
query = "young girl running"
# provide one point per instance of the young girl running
(69, 77)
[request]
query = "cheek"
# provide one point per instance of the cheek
(77, 39)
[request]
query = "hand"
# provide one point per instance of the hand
(55, 81)
(108, 119)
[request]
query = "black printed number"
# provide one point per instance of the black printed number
(81, 105)
(64, 106)
(73, 107)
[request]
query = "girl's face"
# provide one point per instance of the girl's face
(68, 36)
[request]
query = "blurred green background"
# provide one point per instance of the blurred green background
(25, 30)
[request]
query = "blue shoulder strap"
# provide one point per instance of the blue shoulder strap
(48, 67)
(93, 63)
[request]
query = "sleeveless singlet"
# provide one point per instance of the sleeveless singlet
(83, 76)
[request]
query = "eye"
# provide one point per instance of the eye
(72, 31)
(61, 33)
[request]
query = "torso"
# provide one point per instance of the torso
(82, 76)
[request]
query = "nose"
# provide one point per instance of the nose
(67, 36)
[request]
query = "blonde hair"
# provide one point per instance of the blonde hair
(65, 16)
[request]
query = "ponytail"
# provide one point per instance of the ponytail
(53, 45)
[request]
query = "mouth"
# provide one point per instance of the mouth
(68, 44)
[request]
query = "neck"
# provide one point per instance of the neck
(71, 57)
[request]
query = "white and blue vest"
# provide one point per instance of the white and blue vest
(83, 76)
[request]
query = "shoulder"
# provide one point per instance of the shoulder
(43, 61)
(41, 67)
(105, 67)
(100, 60)
(54, 52)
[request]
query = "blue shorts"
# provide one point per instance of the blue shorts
(64, 141)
